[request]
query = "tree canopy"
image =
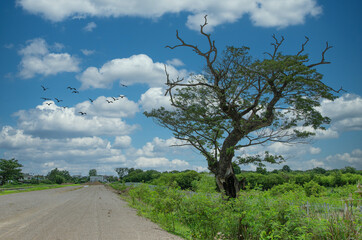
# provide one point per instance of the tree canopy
(10, 170)
(239, 101)
(93, 172)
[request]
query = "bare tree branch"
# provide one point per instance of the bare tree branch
(323, 59)
(303, 45)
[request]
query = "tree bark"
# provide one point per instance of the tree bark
(227, 181)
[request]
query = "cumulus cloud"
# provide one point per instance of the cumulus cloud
(353, 159)
(57, 122)
(160, 146)
(90, 27)
(345, 112)
(135, 69)
(144, 162)
(36, 59)
(122, 142)
(118, 108)
(265, 13)
(155, 98)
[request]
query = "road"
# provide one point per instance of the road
(78, 212)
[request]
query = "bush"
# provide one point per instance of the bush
(314, 189)
(59, 179)
(284, 188)
(206, 184)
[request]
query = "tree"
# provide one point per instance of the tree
(121, 172)
(240, 102)
(10, 170)
(286, 168)
(59, 176)
(93, 172)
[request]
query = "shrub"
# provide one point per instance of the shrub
(313, 189)
(59, 179)
(284, 188)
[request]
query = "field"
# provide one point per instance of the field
(287, 211)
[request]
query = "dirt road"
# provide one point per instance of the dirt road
(81, 212)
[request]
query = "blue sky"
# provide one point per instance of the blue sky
(96, 46)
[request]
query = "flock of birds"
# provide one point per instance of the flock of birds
(75, 91)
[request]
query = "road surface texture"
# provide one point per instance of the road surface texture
(78, 212)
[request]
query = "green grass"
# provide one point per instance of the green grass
(253, 215)
(30, 188)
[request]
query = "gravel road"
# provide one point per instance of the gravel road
(79, 212)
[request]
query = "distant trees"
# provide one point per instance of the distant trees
(121, 172)
(93, 172)
(59, 176)
(10, 170)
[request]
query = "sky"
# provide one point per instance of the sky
(84, 52)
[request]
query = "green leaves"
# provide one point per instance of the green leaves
(10, 170)
(259, 160)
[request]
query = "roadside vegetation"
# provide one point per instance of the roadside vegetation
(17, 188)
(283, 204)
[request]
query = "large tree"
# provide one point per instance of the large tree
(10, 170)
(239, 102)
(93, 172)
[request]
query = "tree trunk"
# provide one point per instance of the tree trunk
(227, 181)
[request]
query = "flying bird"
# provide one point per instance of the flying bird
(121, 96)
(123, 85)
(58, 100)
(71, 88)
(109, 101)
(44, 88)
(49, 103)
(83, 113)
(115, 99)
(91, 100)
(75, 91)
(45, 99)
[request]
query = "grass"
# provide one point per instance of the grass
(10, 189)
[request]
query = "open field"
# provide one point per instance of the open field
(86, 212)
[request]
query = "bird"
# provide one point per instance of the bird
(83, 113)
(45, 99)
(49, 103)
(121, 96)
(91, 100)
(44, 88)
(123, 85)
(64, 107)
(71, 88)
(75, 91)
(115, 99)
(58, 100)
(109, 101)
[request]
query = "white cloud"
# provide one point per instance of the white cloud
(90, 27)
(353, 159)
(36, 59)
(282, 13)
(159, 147)
(345, 112)
(144, 162)
(266, 13)
(57, 122)
(136, 69)
(122, 142)
(155, 98)
(119, 108)
(175, 62)
(87, 52)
